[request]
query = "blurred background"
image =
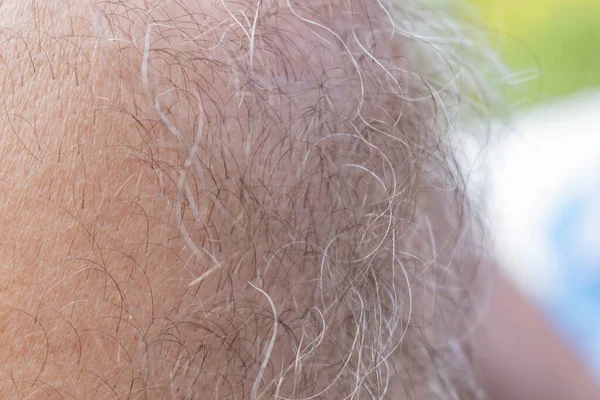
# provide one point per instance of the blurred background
(545, 166)
(559, 37)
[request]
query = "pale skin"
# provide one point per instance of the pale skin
(159, 213)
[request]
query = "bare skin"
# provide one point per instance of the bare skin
(215, 200)
(84, 262)
(156, 242)
(520, 357)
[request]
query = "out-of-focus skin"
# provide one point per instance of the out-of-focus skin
(520, 356)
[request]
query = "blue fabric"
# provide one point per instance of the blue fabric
(575, 306)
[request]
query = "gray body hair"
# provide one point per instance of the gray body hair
(296, 163)
(338, 217)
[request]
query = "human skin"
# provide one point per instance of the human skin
(226, 200)
(519, 356)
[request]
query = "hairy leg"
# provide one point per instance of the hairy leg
(225, 200)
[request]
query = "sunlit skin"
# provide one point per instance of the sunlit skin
(215, 200)
(170, 188)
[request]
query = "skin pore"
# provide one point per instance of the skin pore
(230, 200)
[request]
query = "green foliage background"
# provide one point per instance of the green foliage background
(560, 38)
